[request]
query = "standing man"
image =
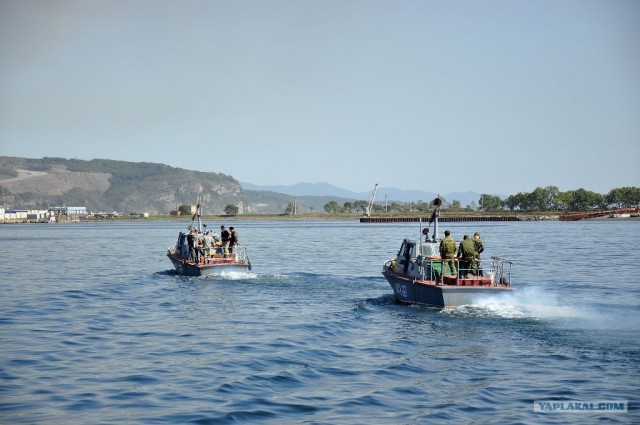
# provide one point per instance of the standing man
(192, 240)
(448, 252)
(233, 239)
(207, 245)
(224, 237)
(479, 247)
(467, 255)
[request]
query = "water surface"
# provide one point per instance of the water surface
(96, 328)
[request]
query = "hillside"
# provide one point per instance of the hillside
(103, 185)
(107, 185)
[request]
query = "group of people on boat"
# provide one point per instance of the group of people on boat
(207, 244)
(467, 252)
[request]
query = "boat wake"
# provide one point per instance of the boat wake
(539, 304)
(531, 303)
(233, 275)
(528, 303)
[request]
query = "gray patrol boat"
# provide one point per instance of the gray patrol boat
(418, 275)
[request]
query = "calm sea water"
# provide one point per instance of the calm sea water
(97, 329)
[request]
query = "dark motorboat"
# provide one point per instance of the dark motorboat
(418, 275)
(218, 260)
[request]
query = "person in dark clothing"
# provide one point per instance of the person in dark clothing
(225, 236)
(192, 241)
(233, 239)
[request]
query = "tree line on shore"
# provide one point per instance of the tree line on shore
(548, 198)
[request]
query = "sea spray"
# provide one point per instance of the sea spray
(232, 275)
(530, 302)
(541, 304)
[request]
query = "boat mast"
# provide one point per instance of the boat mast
(438, 202)
(199, 220)
(197, 214)
(435, 227)
(434, 217)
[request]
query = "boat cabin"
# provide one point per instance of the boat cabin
(415, 259)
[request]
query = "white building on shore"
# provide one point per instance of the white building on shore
(23, 215)
(13, 215)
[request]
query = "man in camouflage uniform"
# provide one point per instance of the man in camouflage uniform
(479, 247)
(448, 252)
(467, 255)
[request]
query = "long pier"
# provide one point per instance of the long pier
(575, 216)
(453, 219)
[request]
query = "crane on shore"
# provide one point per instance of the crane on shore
(371, 201)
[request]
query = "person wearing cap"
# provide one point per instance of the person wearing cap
(467, 255)
(448, 252)
(479, 247)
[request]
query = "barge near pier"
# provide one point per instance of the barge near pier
(442, 219)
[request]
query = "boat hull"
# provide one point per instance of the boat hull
(411, 291)
(187, 268)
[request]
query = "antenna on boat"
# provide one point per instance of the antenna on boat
(198, 214)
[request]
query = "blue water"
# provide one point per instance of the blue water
(97, 329)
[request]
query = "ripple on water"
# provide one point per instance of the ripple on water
(315, 339)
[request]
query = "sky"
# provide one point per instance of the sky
(488, 96)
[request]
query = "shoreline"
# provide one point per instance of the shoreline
(325, 217)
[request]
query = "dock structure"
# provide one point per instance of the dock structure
(575, 216)
(441, 219)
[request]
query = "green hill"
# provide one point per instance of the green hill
(107, 185)
(104, 185)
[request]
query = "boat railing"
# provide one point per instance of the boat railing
(237, 252)
(499, 270)
(430, 272)
(240, 253)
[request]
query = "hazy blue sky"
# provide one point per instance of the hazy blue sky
(487, 96)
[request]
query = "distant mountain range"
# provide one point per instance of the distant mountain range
(391, 194)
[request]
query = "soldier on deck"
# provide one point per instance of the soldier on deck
(233, 239)
(467, 255)
(479, 247)
(225, 236)
(448, 252)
